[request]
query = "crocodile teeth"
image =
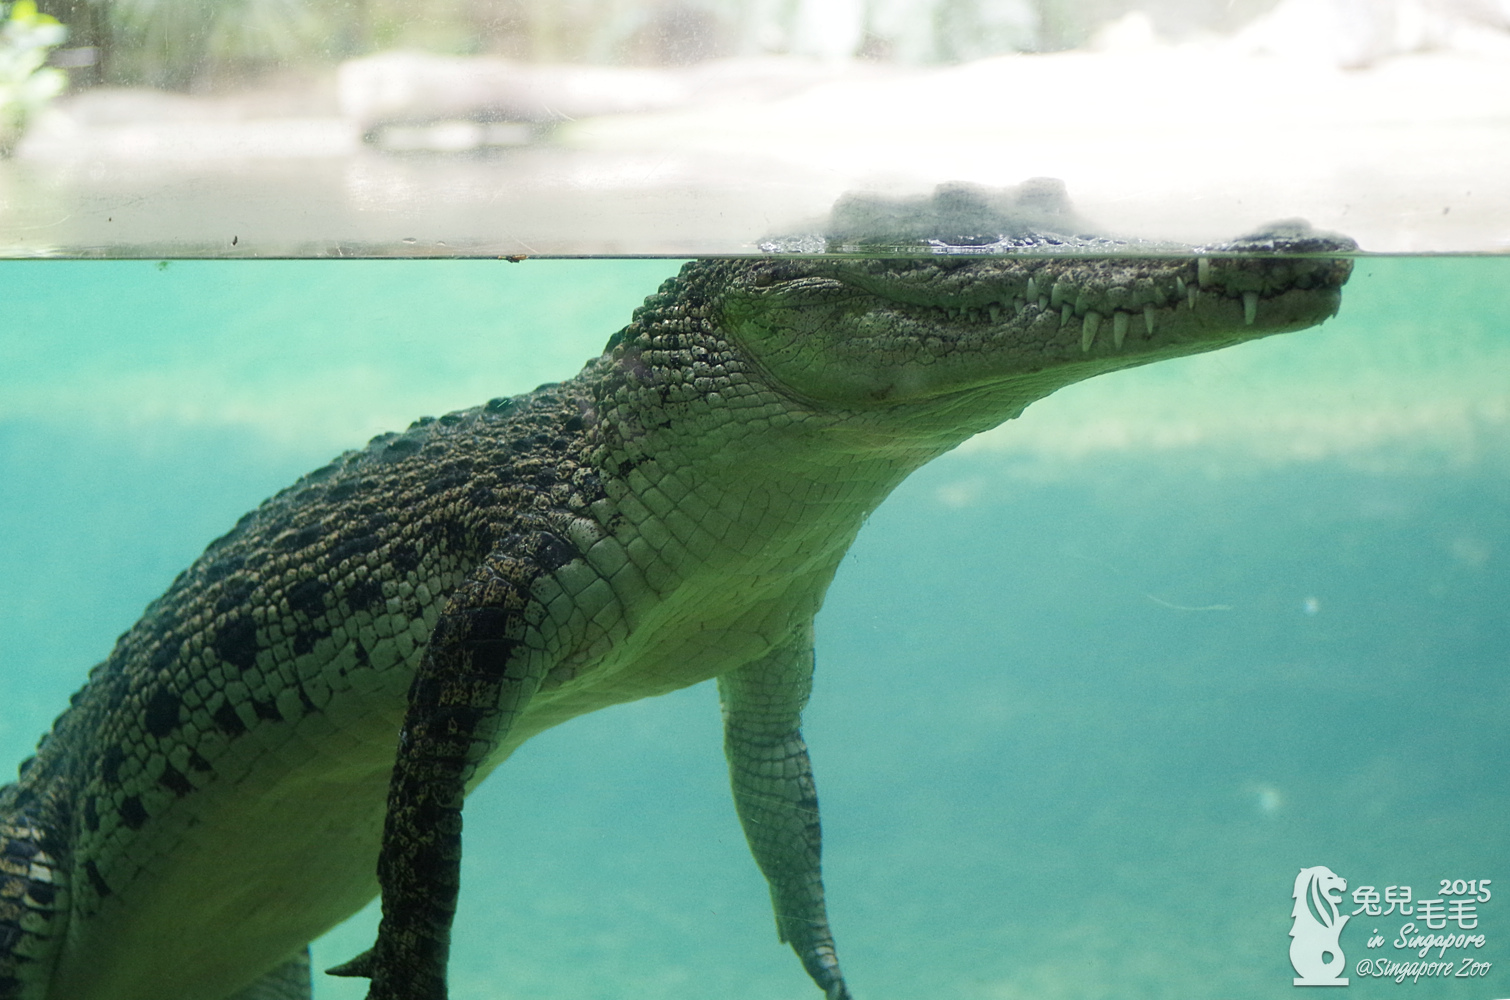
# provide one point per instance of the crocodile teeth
(1203, 271)
(1032, 292)
(1148, 312)
(1179, 285)
(1058, 292)
(1250, 307)
(1065, 312)
(1043, 301)
(1190, 293)
(1119, 328)
(1088, 330)
(995, 311)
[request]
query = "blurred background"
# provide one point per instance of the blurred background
(674, 127)
(194, 46)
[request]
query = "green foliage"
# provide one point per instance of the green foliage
(174, 42)
(26, 81)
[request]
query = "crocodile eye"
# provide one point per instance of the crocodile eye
(769, 273)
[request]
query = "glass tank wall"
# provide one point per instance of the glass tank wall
(496, 127)
(1092, 690)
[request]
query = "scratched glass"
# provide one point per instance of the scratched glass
(488, 128)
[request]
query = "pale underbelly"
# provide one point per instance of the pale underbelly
(238, 876)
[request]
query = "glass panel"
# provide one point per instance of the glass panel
(494, 127)
(1091, 689)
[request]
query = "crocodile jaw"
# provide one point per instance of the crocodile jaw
(888, 333)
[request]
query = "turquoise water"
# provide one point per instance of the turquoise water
(1091, 690)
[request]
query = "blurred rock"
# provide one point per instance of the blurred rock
(418, 87)
(413, 89)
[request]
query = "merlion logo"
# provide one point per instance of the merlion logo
(1314, 950)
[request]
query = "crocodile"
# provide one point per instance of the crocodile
(292, 728)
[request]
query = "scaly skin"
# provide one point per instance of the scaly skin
(293, 725)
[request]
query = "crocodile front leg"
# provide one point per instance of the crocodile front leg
(33, 889)
(483, 662)
(776, 799)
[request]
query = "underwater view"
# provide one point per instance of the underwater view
(1092, 690)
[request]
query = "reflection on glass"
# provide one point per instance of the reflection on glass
(486, 127)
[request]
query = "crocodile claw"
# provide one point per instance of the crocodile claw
(361, 966)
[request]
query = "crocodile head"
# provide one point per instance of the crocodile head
(930, 320)
(980, 335)
(881, 332)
